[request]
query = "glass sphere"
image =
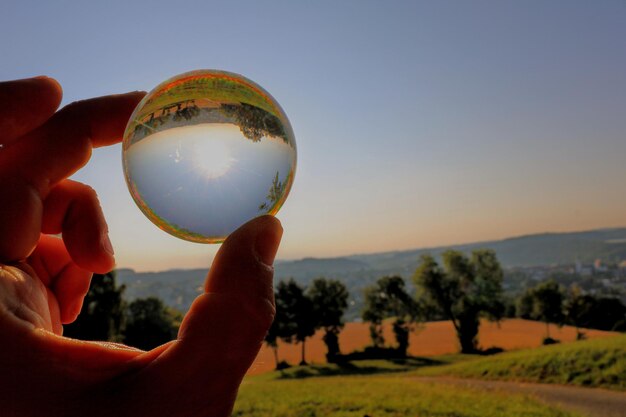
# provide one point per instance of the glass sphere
(206, 151)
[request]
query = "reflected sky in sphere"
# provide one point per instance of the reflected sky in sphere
(207, 151)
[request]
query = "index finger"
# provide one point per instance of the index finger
(63, 145)
(26, 105)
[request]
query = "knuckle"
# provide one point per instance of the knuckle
(89, 192)
(73, 107)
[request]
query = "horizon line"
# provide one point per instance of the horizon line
(399, 250)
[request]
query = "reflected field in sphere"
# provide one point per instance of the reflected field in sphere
(206, 152)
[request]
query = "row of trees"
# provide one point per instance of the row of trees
(462, 290)
(147, 322)
(301, 311)
(552, 303)
(144, 323)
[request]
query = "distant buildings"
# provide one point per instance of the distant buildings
(598, 266)
(584, 270)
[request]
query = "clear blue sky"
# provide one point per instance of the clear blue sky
(418, 123)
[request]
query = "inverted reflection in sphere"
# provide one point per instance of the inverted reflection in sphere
(206, 151)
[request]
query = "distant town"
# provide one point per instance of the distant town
(596, 278)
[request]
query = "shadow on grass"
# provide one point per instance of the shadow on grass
(359, 367)
(374, 360)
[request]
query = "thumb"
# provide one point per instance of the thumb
(224, 328)
(239, 288)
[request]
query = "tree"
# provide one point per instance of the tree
(374, 313)
(150, 323)
(298, 313)
(524, 305)
(576, 309)
(609, 314)
(586, 311)
(548, 304)
(271, 339)
(463, 291)
(510, 306)
(386, 299)
(280, 327)
(255, 122)
(102, 314)
(276, 191)
(330, 300)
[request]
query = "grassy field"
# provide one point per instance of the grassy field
(431, 339)
(375, 395)
(391, 387)
(592, 363)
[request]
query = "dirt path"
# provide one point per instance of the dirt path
(592, 402)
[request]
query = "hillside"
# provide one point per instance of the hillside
(596, 363)
(608, 245)
(179, 287)
(415, 386)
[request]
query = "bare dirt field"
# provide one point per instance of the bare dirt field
(430, 339)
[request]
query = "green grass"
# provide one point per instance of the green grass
(591, 363)
(385, 388)
(377, 395)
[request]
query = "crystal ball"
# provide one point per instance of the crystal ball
(206, 151)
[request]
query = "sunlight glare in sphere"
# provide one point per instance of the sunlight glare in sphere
(206, 151)
(212, 159)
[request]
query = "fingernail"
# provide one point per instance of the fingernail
(106, 244)
(268, 240)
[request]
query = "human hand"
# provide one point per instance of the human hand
(43, 279)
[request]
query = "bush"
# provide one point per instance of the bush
(550, 341)
(371, 352)
(491, 351)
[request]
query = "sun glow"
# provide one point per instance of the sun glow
(211, 158)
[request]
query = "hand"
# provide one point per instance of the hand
(43, 279)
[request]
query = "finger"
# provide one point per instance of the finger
(68, 282)
(63, 145)
(72, 208)
(70, 288)
(242, 273)
(34, 164)
(223, 331)
(27, 104)
(20, 218)
(250, 275)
